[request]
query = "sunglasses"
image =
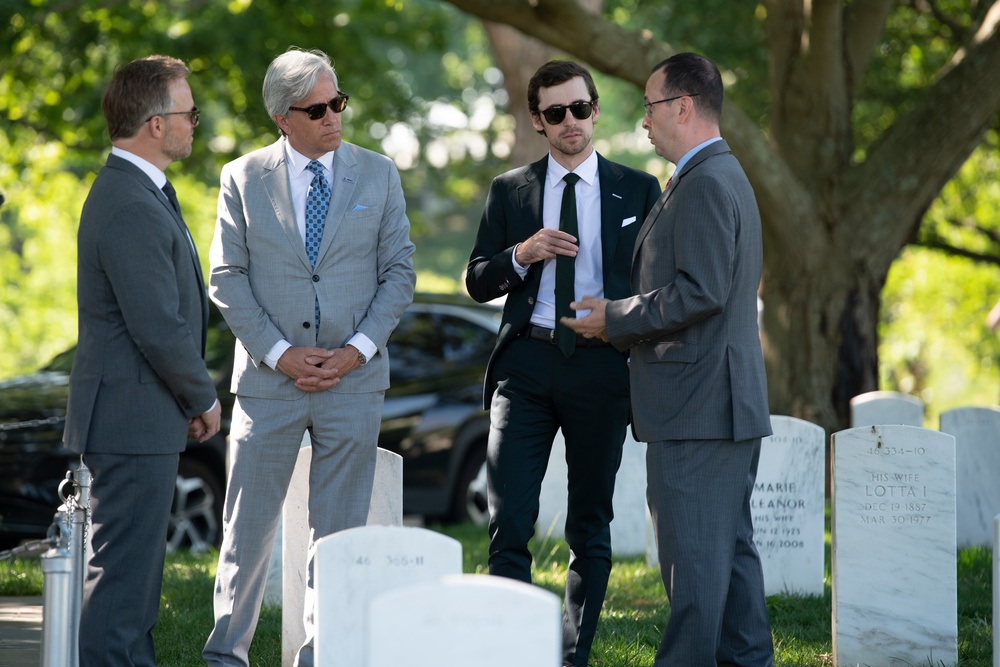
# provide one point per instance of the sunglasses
(649, 105)
(317, 111)
(192, 115)
(556, 113)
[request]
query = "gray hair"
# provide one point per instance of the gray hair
(291, 77)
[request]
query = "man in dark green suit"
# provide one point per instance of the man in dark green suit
(139, 386)
(542, 377)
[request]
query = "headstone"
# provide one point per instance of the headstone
(628, 528)
(465, 620)
(893, 551)
(886, 407)
(977, 460)
(788, 507)
(386, 509)
(353, 566)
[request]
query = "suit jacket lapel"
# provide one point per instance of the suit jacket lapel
(716, 148)
(274, 178)
(612, 214)
(529, 199)
(345, 181)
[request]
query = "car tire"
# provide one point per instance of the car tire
(196, 512)
(470, 498)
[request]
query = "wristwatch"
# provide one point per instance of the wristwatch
(362, 359)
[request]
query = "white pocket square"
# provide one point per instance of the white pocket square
(361, 207)
(628, 221)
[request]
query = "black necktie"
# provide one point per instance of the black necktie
(566, 268)
(172, 196)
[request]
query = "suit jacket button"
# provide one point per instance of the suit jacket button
(306, 325)
(315, 279)
(531, 300)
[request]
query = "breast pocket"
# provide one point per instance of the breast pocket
(680, 351)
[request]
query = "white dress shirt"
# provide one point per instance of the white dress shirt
(589, 273)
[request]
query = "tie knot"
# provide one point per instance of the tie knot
(315, 167)
(571, 178)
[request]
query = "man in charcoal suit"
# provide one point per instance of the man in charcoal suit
(139, 386)
(699, 391)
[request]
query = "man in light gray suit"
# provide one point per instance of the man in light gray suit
(699, 391)
(139, 387)
(312, 269)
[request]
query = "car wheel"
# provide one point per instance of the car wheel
(470, 492)
(196, 513)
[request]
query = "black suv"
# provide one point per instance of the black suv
(433, 418)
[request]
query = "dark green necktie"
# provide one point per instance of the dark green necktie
(566, 268)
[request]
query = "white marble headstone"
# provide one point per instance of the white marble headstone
(628, 528)
(893, 553)
(886, 407)
(977, 459)
(353, 566)
(465, 620)
(386, 509)
(788, 505)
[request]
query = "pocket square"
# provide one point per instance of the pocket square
(361, 207)
(628, 221)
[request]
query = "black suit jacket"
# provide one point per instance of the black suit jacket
(514, 212)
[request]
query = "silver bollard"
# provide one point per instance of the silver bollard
(59, 622)
(80, 548)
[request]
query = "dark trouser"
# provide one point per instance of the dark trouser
(587, 396)
(699, 496)
(130, 509)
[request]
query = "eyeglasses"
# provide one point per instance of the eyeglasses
(317, 111)
(556, 113)
(649, 105)
(192, 115)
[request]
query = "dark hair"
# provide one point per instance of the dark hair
(139, 90)
(553, 73)
(695, 75)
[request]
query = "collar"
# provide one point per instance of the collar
(687, 156)
(297, 162)
(587, 170)
(158, 177)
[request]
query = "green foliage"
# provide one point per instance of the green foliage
(934, 340)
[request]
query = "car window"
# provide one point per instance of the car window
(425, 344)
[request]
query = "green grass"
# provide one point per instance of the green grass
(633, 616)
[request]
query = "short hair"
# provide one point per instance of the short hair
(291, 77)
(553, 73)
(138, 91)
(695, 75)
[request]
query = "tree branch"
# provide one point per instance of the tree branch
(863, 26)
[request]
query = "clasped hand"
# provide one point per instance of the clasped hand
(545, 244)
(316, 368)
(593, 324)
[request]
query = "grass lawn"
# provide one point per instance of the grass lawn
(633, 616)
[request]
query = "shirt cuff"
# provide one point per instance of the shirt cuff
(271, 358)
(521, 270)
(364, 345)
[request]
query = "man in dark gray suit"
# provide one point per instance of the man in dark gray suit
(539, 380)
(139, 387)
(699, 392)
(312, 269)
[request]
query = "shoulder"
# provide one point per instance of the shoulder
(620, 171)
(265, 157)
(522, 175)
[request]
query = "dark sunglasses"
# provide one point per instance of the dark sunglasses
(317, 111)
(192, 115)
(557, 112)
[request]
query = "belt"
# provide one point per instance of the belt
(549, 336)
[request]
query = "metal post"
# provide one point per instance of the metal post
(80, 548)
(58, 620)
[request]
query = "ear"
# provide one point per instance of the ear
(536, 121)
(283, 124)
(597, 112)
(156, 126)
